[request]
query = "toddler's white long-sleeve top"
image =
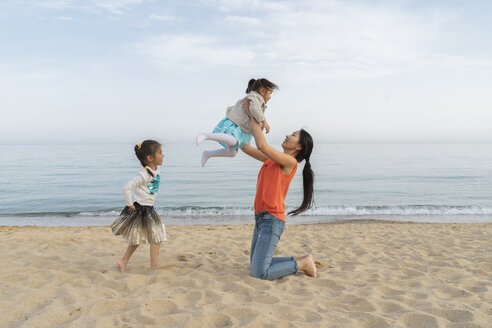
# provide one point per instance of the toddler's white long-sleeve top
(144, 188)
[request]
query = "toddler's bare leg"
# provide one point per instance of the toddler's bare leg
(126, 257)
(154, 255)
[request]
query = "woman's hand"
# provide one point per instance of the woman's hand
(131, 209)
(264, 125)
(246, 103)
(286, 161)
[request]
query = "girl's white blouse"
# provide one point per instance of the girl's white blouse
(139, 188)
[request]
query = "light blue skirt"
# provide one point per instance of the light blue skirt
(228, 126)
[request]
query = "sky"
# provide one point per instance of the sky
(105, 71)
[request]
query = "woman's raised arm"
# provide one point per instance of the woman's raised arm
(287, 162)
(255, 153)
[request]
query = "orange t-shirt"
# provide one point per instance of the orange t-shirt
(271, 189)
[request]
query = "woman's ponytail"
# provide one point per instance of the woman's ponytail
(306, 142)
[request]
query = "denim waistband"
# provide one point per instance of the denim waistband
(260, 214)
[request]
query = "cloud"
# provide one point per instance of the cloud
(191, 51)
(243, 20)
(247, 5)
(162, 17)
(324, 38)
(346, 42)
(63, 18)
(117, 6)
(54, 4)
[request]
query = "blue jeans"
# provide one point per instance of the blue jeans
(263, 265)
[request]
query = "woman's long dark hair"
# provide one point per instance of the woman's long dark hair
(306, 142)
(255, 85)
(144, 149)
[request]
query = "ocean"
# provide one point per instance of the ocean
(79, 185)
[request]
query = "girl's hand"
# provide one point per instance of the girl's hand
(266, 126)
(132, 208)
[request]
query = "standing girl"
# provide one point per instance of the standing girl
(235, 130)
(273, 183)
(139, 223)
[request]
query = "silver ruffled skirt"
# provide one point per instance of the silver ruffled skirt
(140, 227)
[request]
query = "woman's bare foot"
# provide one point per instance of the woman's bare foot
(307, 265)
(121, 265)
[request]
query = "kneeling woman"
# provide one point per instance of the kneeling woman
(273, 183)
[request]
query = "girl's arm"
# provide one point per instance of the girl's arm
(286, 162)
(132, 184)
(255, 153)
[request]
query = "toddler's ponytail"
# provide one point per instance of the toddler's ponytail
(250, 85)
(144, 149)
(255, 85)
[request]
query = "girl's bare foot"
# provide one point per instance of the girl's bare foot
(308, 266)
(121, 265)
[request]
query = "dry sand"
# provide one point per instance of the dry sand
(371, 274)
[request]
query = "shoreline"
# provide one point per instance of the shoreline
(371, 274)
(335, 222)
(236, 220)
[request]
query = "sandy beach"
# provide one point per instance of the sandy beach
(371, 274)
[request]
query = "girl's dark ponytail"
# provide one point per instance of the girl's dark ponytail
(255, 85)
(250, 85)
(144, 149)
(306, 142)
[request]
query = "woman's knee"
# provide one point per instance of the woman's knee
(258, 274)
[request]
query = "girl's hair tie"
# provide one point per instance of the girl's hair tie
(146, 167)
(139, 145)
